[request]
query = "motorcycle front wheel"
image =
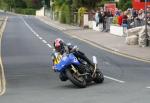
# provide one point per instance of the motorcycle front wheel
(78, 81)
(99, 78)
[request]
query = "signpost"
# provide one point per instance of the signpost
(146, 33)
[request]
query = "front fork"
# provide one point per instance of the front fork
(74, 69)
(95, 66)
(77, 72)
(93, 74)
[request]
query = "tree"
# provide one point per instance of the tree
(57, 4)
(10, 4)
(36, 4)
(47, 3)
(124, 4)
(102, 2)
(65, 16)
(20, 4)
(90, 3)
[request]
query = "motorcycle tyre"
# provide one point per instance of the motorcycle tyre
(76, 82)
(99, 78)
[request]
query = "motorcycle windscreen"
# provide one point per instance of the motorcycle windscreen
(65, 61)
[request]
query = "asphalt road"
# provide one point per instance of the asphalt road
(2, 13)
(26, 49)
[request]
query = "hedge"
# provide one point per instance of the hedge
(27, 11)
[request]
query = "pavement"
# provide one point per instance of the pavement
(104, 40)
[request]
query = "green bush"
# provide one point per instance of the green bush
(65, 14)
(3, 5)
(29, 11)
(81, 12)
(19, 11)
(62, 16)
(26, 11)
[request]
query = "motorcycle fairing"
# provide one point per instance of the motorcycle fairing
(65, 61)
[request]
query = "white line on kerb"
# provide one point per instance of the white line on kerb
(120, 81)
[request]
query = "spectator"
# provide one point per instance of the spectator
(124, 19)
(134, 13)
(140, 17)
(117, 13)
(135, 16)
(105, 20)
(129, 15)
(120, 19)
(97, 17)
(130, 18)
(100, 17)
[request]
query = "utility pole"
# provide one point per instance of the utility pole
(146, 33)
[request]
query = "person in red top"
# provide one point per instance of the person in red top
(120, 19)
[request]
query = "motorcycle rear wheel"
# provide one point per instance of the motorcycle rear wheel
(78, 81)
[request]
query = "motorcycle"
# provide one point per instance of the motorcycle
(77, 68)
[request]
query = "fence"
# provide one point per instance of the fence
(131, 23)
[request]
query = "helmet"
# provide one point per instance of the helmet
(58, 44)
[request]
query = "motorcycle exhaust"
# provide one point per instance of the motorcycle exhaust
(94, 60)
(95, 64)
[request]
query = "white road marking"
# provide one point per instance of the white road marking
(36, 34)
(117, 80)
(49, 45)
(148, 87)
(40, 38)
(29, 26)
(44, 41)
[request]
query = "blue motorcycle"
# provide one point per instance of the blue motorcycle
(77, 68)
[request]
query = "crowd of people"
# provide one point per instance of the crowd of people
(129, 18)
